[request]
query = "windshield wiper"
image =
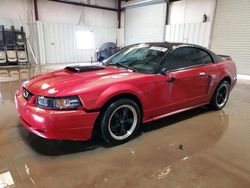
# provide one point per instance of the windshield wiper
(124, 66)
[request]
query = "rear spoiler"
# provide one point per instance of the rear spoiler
(225, 57)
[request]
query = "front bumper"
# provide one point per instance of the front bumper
(55, 124)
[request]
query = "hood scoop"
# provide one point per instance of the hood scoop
(79, 69)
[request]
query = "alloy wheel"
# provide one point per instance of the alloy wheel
(122, 122)
(222, 95)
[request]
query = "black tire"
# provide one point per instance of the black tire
(120, 121)
(220, 96)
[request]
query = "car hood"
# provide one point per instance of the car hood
(65, 82)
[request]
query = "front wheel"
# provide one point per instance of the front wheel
(220, 96)
(120, 121)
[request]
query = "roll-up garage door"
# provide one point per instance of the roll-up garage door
(145, 23)
(231, 32)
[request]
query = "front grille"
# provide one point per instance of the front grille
(26, 94)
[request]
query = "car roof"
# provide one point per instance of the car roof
(173, 45)
(177, 44)
(169, 44)
(166, 44)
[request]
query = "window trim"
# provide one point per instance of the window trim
(189, 67)
(185, 68)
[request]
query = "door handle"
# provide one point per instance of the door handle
(171, 79)
(202, 74)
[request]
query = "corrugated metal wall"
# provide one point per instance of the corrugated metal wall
(9, 22)
(145, 24)
(60, 42)
(195, 33)
(231, 33)
(120, 37)
(56, 42)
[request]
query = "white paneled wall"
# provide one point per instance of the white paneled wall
(60, 42)
(120, 38)
(196, 33)
(9, 9)
(231, 33)
(9, 22)
(50, 11)
(145, 24)
(56, 42)
(53, 37)
(191, 11)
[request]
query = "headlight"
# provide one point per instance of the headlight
(60, 103)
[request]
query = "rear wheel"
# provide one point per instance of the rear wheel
(220, 96)
(120, 121)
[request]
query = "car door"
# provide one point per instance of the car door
(188, 83)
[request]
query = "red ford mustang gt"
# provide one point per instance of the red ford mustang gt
(138, 84)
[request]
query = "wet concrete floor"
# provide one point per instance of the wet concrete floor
(215, 148)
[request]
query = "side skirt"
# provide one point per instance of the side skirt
(172, 113)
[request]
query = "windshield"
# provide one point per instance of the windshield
(142, 58)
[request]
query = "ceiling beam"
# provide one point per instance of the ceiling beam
(36, 10)
(84, 5)
(119, 14)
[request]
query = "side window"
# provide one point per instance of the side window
(206, 58)
(178, 59)
(187, 57)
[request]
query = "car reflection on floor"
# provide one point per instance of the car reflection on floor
(211, 143)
